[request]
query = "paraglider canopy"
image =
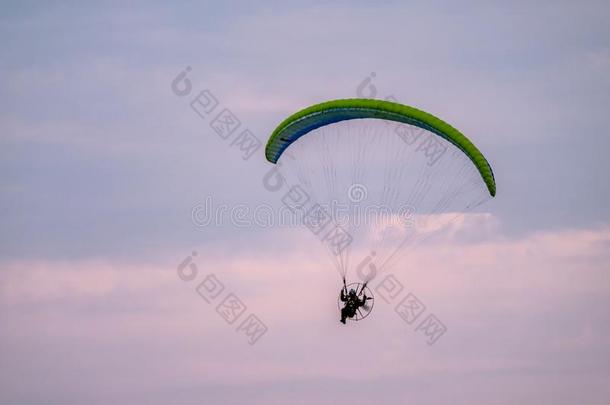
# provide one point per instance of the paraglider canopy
(319, 115)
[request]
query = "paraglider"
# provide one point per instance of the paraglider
(356, 304)
(376, 176)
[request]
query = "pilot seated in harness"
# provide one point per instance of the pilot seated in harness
(352, 303)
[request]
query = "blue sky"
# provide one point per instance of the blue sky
(101, 165)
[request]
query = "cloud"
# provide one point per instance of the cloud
(486, 292)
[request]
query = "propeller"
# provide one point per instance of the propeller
(361, 310)
(365, 306)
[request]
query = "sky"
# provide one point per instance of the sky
(102, 165)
